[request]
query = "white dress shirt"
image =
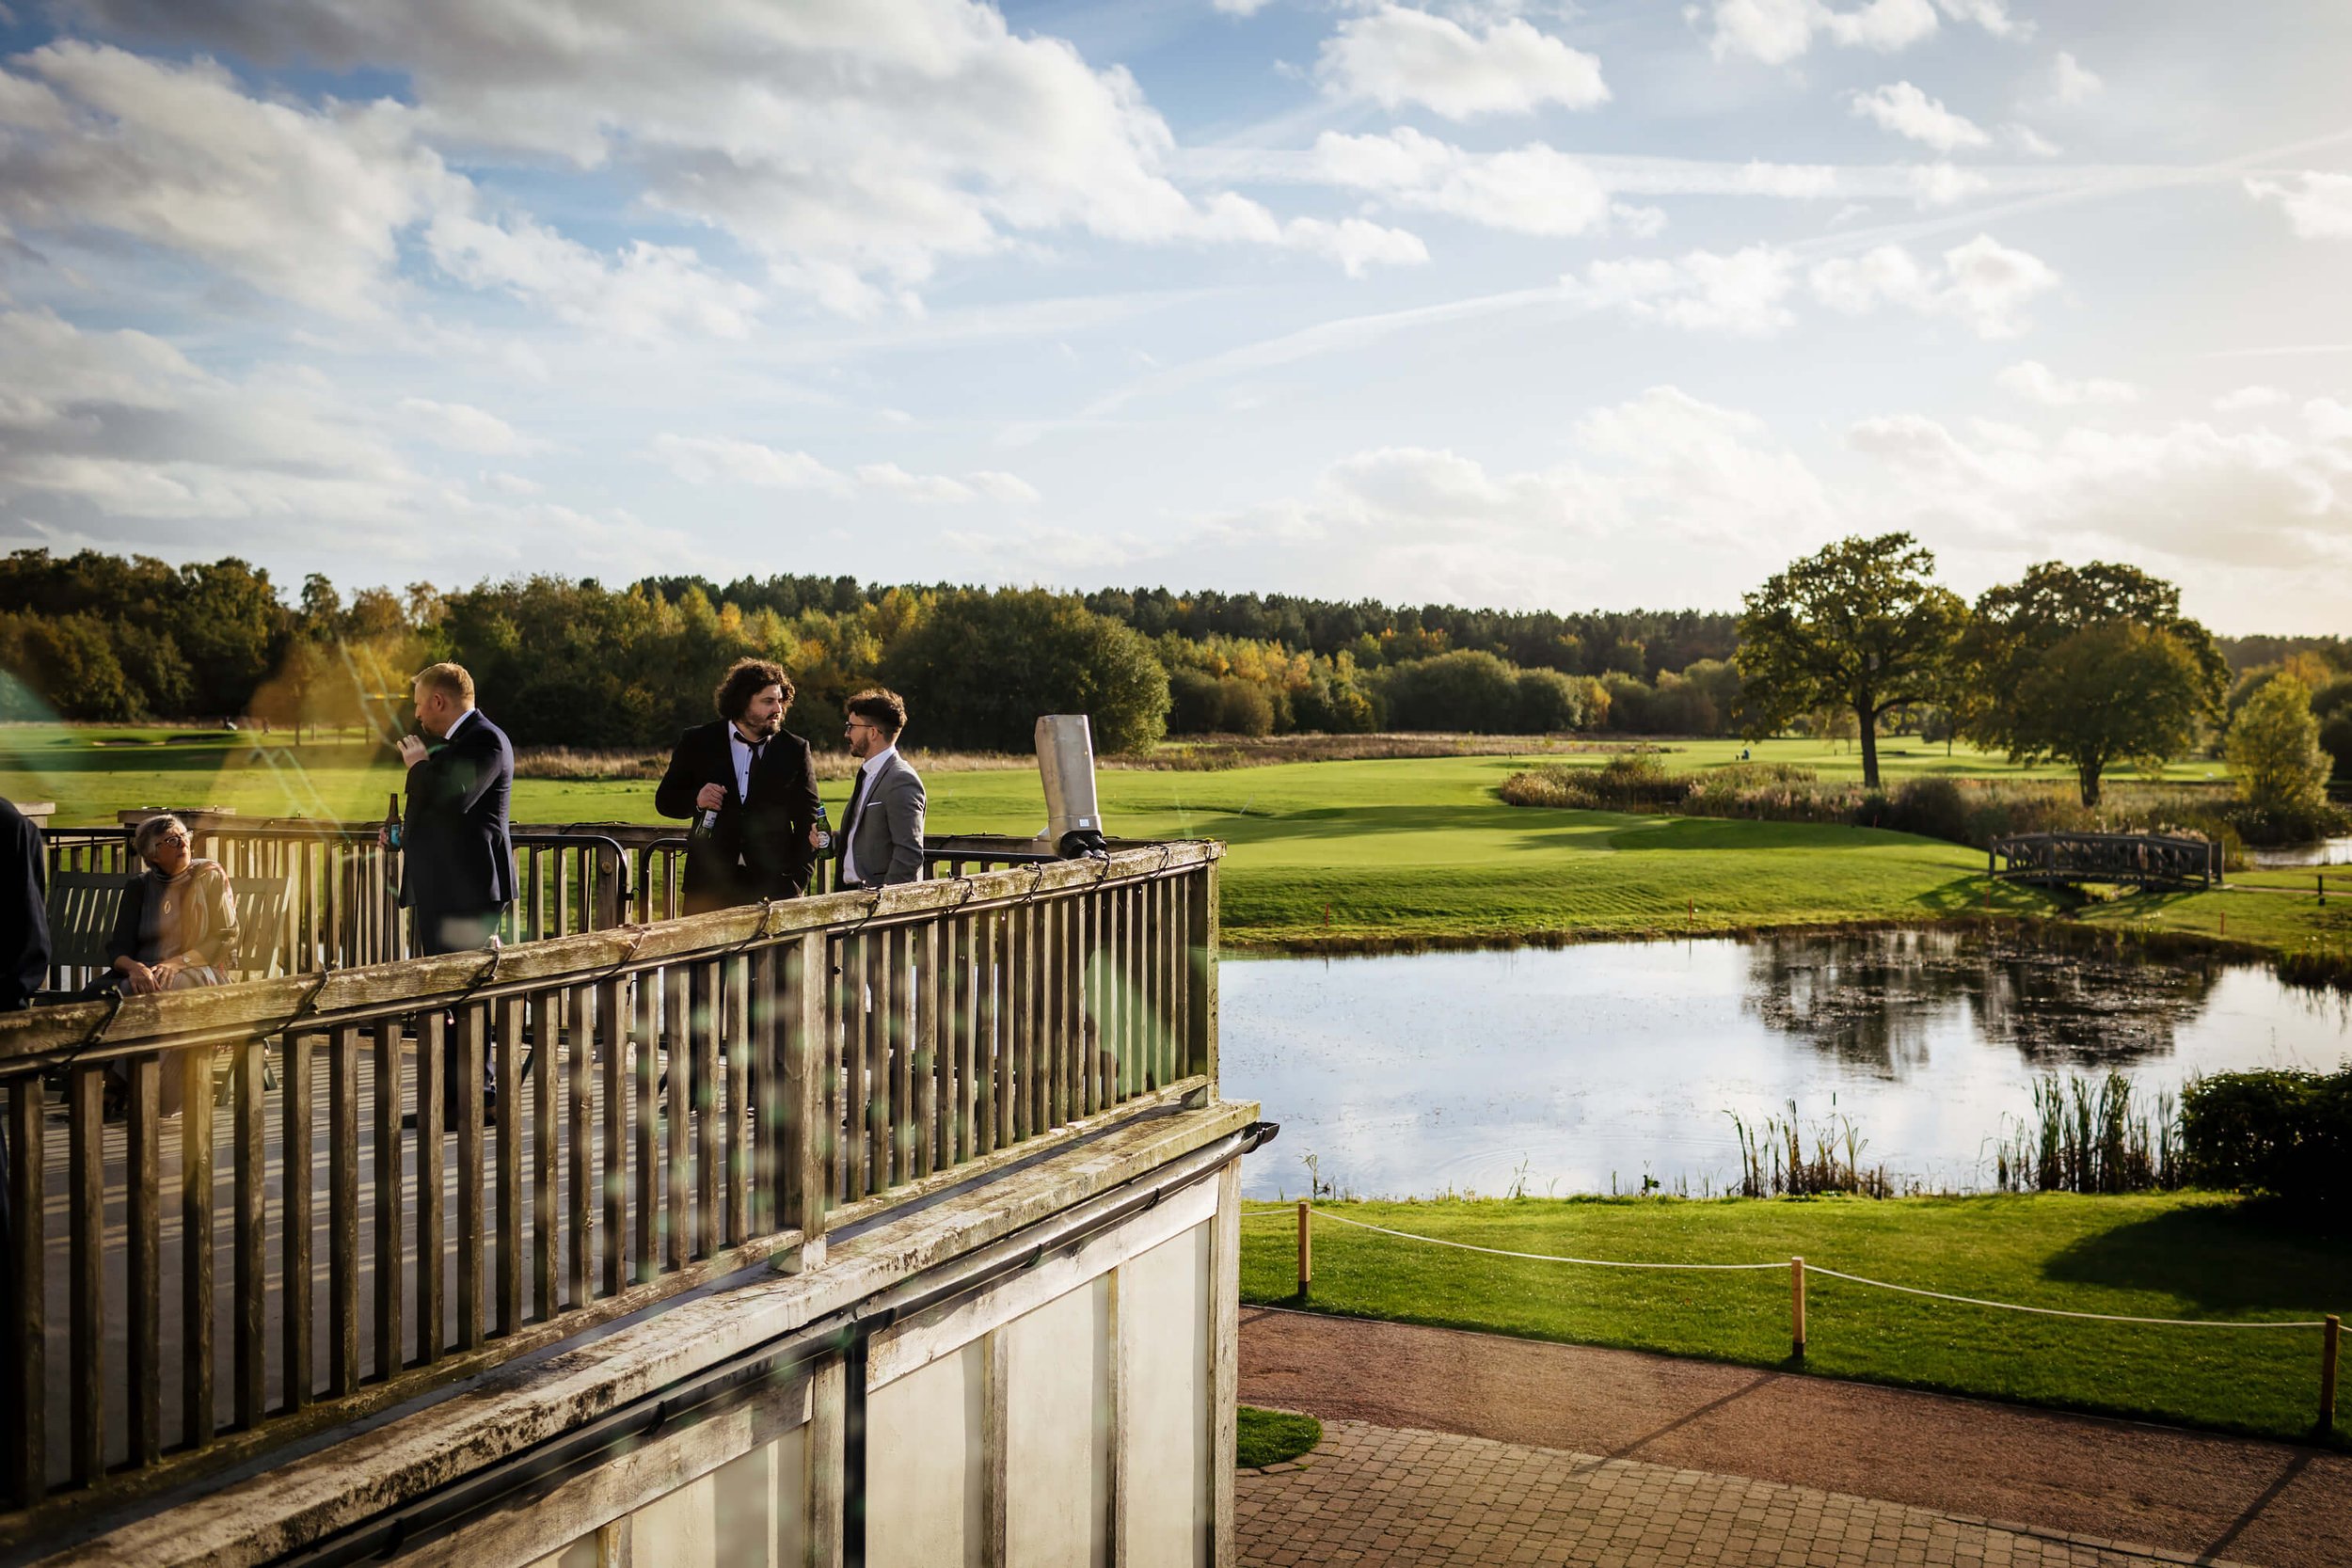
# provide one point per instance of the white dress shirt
(874, 764)
(745, 753)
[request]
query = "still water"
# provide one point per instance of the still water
(1423, 1073)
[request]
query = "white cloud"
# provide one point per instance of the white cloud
(929, 489)
(2318, 206)
(2071, 83)
(849, 147)
(1982, 283)
(1661, 467)
(1355, 243)
(1796, 182)
(1240, 8)
(1398, 55)
(513, 485)
(465, 428)
(1528, 190)
(2247, 398)
(1778, 31)
(1990, 15)
(2036, 382)
(122, 440)
(1944, 185)
(705, 460)
(1643, 223)
(998, 486)
(1743, 294)
(304, 205)
(2027, 139)
(647, 292)
(1905, 110)
(2287, 499)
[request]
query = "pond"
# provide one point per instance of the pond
(1587, 1067)
(2324, 851)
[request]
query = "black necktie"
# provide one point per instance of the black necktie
(755, 747)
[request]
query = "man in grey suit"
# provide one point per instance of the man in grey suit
(882, 832)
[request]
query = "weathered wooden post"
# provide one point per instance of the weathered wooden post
(1307, 1256)
(1796, 1308)
(2330, 1341)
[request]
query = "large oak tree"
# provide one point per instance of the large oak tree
(1859, 625)
(2089, 665)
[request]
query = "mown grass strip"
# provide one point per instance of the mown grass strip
(2167, 1255)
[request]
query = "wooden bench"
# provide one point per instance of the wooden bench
(82, 906)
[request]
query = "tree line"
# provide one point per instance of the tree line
(572, 661)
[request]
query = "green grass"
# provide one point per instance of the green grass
(2170, 1255)
(1345, 854)
(1271, 1437)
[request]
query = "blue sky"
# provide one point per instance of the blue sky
(1517, 303)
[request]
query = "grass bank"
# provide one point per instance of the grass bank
(2171, 1256)
(1348, 855)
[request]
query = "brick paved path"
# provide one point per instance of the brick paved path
(1376, 1495)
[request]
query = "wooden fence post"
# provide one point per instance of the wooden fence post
(1796, 1308)
(2330, 1341)
(1306, 1255)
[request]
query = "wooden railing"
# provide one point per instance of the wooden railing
(2146, 860)
(676, 1101)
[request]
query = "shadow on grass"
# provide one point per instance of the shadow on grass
(2234, 1258)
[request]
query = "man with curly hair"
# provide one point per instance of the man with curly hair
(747, 784)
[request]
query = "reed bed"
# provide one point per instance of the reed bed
(2092, 1135)
(1774, 1162)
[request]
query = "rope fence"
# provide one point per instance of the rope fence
(2330, 1326)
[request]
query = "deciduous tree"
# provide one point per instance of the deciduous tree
(1860, 626)
(2091, 665)
(2274, 748)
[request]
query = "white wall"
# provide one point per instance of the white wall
(1065, 1416)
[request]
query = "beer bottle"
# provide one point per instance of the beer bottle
(391, 822)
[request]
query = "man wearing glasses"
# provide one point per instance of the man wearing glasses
(882, 832)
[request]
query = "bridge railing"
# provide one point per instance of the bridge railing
(2142, 859)
(287, 1203)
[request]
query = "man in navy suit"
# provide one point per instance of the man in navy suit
(749, 778)
(457, 868)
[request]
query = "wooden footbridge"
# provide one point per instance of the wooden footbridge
(2140, 859)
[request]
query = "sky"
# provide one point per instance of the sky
(1494, 302)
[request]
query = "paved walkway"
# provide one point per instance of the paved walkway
(1380, 1494)
(2201, 1495)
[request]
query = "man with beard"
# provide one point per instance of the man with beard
(748, 788)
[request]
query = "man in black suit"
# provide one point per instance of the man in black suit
(457, 868)
(747, 784)
(24, 969)
(23, 911)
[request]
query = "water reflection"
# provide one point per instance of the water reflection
(1877, 999)
(1569, 1069)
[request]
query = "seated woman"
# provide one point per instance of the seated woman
(178, 924)
(177, 929)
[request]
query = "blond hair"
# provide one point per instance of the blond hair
(447, 677)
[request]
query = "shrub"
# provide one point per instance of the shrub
(1244, 707)
(2281, 1131)
(1932, 808)
(981, 667)
(1548, 702)
(1192, 701)
(1465, 690)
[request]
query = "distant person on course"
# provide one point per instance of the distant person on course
(747, 784)
(882, 832)
(457, 868)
